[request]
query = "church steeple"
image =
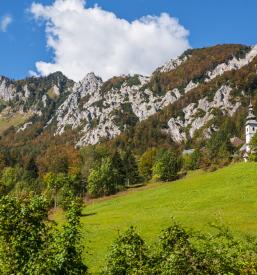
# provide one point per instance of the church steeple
(250, 127)
(251, 118)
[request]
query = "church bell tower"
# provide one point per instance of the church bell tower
(250, 127)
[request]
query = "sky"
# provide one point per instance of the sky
(113, 37)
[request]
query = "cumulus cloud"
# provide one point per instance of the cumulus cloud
(94, 40)
(5, 21)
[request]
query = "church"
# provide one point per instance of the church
(250, 131)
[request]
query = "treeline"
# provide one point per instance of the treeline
(37, 161)
(50, 166)
(94, 171)
(61, 171)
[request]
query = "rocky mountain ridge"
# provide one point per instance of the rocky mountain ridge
(99, 110)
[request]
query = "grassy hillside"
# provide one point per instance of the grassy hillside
(15, 120)
(228, 196)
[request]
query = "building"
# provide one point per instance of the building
(250, 131)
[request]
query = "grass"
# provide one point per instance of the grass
(14, 120)
(227, 196)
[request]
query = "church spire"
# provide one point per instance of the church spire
(251, 116)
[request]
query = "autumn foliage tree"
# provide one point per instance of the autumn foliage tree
(59, 159)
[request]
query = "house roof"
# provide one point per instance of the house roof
(237, 142)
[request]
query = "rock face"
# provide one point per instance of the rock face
(102, 110)
(233, 64)
(197, 115)
(7, 90)
(172, 64)
(89, 108)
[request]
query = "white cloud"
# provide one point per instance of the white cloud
(33, 73)
(92, 39)
(5, 21)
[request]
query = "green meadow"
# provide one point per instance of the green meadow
(227, 196)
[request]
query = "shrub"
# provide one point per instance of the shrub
(192, 161)
(36, 246)
(128, 255)
(183, 251)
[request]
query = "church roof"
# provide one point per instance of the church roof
(251, 118)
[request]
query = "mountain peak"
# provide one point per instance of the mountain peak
(91, 77)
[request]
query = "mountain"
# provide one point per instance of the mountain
(184, 100)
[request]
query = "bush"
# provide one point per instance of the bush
(182, 251)
(128, 255)
(30, 244)
(192, 161)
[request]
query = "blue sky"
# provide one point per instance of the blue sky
(23, 43)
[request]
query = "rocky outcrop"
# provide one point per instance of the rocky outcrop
(24, 127)
(93, 111)
(233, 64)
(197, 115)
(7, 90)
(172, 64)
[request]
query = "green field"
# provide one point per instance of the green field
(227, 196)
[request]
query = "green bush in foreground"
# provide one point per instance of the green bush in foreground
(182, 251)
(30, 244)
